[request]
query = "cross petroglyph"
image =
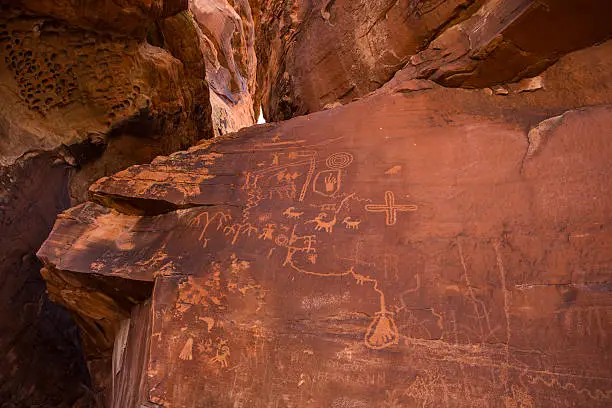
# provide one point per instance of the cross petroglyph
(390, 208)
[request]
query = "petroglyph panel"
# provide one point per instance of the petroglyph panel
(309, 277)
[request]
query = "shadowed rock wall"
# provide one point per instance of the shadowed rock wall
(319, 54)
(85, 90)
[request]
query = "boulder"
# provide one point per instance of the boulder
(85, 91)
(423, 246)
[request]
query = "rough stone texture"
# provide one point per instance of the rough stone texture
(312, 54)
(38, 341)
(507, 40)
(424, 246)
(130, 17)
(319, 54)
(227, 40)
(85, 91)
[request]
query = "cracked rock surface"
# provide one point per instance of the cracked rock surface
(429, 227)
(419, 247)
(319, 54)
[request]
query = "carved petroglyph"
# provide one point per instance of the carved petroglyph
(321, 224)
(554, 381)
(268, 232)
(390, 208)
(393, 170)
(222, 354)
(234, 231)
(291, 213)
(339, 160)
(480, 310)
(285, 180)
(589, 321)
(187, 351)
(300, 243)
(327, 182)
(205, 220)
(351, 224)
(249, 229)
(210, 322)
(382, 332)
(519, 398)
(506, 293)
(251, 181)
(280, 179)
(253, 200)
(286, 176)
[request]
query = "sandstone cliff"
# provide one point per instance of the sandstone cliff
(319, 54)
(423, 246)
(428, 227)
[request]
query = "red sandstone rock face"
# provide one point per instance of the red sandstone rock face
(320, 54)
(125, 16)
(421, 247)
(317, 53)
(227, 40)
(507, 40)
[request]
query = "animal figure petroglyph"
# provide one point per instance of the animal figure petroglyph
(292, 214)
(351, 224)
(361, 279)
(322, 225)
(223, 353)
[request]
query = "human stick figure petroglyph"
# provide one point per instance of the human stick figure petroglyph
(390, 208)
